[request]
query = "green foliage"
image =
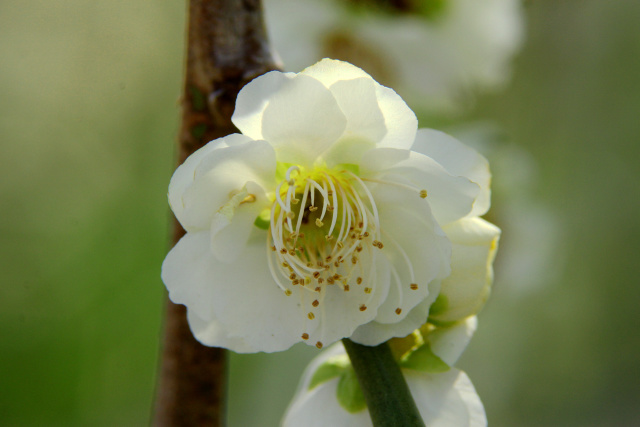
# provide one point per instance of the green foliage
(349, 392)
(328, 370)
(263, 220)
(424, 360)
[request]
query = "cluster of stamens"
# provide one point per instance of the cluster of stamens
(322, 225)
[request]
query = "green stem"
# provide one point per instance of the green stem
(385, 390)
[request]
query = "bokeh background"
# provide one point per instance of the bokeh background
(88, 119)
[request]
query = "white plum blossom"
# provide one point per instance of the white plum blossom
(329, 216)
(444, 397)
(435, 53)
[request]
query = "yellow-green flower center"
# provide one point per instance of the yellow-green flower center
(322, 222)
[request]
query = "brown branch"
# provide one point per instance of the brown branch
(226, 48)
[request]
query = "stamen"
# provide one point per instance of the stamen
(305, 336)
(319, 344)
(287, 175)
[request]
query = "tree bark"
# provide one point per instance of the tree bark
(226, 48)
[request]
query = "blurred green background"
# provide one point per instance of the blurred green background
(88, 119)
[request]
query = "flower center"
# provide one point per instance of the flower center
(321, 223)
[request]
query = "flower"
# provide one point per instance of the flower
(326, 218)
(328, 393)
(436, 53)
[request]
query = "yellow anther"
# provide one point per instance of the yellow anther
(319, 223)
(313, 208)
(414, 286)
(423, 194)
(359, 280)
(305, 336)
(287, 292)
(311, 316)
(367, 290)
(249, 199)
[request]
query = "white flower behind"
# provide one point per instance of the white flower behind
(436, 58)
(445, 396)
(319, 221)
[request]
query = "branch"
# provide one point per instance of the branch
(226, 48)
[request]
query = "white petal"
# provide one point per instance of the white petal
(232, 224)
(302, 120)
(222, 174)
(401, 123)
(254, 98)
(339, 314)
(319, 407)
(365, 123)
(413, 242)
(448, 343)
(446, 399)
(183, 176)
(450, 197)
(329, 71)
(212, 331)
(459, 160)
(475, 242)
(240, 295)
(374, 332)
